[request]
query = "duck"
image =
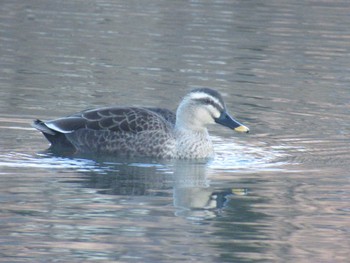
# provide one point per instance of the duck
(143, 131)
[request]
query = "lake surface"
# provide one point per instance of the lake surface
(278, 194)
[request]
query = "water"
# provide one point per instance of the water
(279, 194)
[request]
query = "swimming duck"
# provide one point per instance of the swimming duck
(143, 131)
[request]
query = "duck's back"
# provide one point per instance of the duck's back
(128, 131)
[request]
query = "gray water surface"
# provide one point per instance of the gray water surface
(278, 194)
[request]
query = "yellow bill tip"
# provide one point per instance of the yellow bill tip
(239, 191)
(242, 128)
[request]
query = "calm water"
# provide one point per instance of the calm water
(279, 194)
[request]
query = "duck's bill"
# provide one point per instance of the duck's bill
(242, 128)
(228, 121)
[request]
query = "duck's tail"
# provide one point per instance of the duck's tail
(57, 139)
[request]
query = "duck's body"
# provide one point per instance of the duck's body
(143, 132)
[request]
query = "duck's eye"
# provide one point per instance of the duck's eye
(207, 101)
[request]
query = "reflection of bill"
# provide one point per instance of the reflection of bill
(204, 198)
(192, 188)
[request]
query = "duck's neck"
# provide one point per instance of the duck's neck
(193, 144)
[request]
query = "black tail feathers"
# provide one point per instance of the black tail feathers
(57, 139)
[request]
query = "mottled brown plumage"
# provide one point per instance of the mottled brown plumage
(142, 131)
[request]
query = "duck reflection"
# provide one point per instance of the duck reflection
(186, 182)
(192, 188)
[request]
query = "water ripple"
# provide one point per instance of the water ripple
(236, 157)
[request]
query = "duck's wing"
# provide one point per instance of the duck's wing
(168, 115)
(115, 129)
(130, 119)
(114, 119)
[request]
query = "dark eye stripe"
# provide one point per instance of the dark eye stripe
(210, 102)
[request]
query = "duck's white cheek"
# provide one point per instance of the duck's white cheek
(215, 112)
(203, 116)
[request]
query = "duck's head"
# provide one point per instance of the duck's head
(202, 107)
